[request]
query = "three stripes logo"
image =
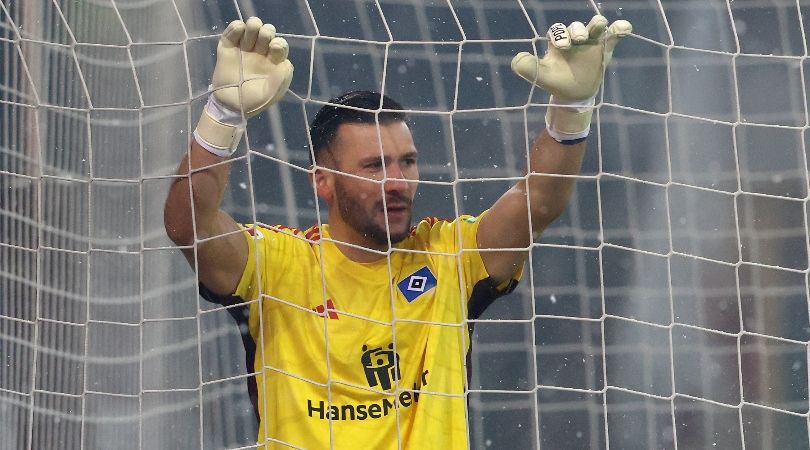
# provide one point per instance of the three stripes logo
(329, 311)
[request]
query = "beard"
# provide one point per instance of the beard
(361, 217)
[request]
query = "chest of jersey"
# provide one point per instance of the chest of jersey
(365, 319)
(372, 354)
(359, 345)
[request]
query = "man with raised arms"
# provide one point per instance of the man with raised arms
(358, 326)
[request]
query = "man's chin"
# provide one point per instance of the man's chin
(399, 231)
(399, 237)
(396, 233)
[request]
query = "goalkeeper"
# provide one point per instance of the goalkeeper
(358, 326)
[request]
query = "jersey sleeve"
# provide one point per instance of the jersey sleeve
(460, 237)
(268, 250)
(475, 273)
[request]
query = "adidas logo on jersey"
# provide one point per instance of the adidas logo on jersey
(329, 311)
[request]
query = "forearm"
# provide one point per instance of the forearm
(252, 73)
(548, 192)
(246, 51)
(506, 226)
(194, 199)
(571, 71)
(573, 79)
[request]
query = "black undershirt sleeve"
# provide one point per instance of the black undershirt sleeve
(484, 293)
(240, 314)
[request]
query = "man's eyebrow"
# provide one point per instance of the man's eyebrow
(376, 158)
(371, 159)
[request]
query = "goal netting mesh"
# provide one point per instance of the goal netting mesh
(667, 308)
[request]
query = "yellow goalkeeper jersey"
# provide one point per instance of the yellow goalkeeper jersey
(351, 355)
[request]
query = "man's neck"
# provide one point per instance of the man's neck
(361, 250)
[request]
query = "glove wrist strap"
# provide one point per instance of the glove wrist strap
(220, 129)
(569, 120)
(221, 112)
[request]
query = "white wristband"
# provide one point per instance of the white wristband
(222, 152)
(569, 120)
(220, 129)
(222, 113)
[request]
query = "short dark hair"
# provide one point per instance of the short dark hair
(324, 127)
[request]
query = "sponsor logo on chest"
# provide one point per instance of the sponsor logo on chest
(380, 366)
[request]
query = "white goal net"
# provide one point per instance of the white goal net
(667, 308)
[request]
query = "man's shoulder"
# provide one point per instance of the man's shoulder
(428, 224)
(282, 239)
(431, 222)
(437, 229)
(444, 234)
(260, 230)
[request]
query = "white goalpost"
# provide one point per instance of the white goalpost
(667, 308)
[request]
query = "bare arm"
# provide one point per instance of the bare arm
(192, 216)
(216, 248)
(571, 71)
(507, 223)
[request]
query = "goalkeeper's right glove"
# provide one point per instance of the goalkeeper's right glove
(252, 73)
(572, 71)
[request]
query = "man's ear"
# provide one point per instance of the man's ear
(322, 181)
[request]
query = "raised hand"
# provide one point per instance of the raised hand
(252, 73)
(252, 62)
(573, 68)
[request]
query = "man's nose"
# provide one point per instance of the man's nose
(394, 179)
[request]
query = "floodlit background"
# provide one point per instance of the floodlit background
(668, 306)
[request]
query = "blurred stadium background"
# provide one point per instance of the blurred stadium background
(667, 308)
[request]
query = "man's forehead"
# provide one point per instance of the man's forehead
(364, 130)
(362, 138)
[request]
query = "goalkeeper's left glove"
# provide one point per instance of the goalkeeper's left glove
(572, 71)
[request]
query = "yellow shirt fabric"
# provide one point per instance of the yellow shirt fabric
(352, 355)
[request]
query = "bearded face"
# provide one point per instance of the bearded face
(367, 215)
(372, 183)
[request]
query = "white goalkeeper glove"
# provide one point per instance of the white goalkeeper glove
(572, 71)
(252, 73)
